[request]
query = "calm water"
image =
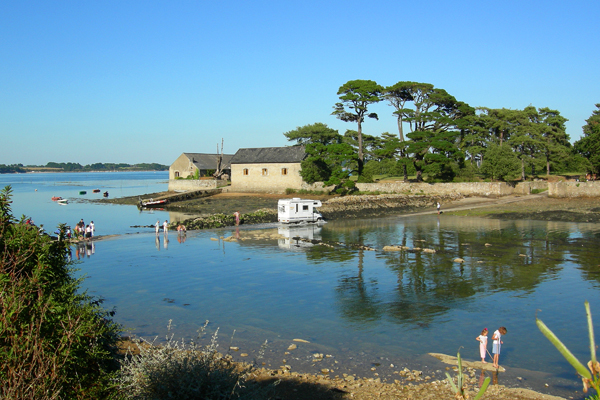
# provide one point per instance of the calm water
(367, 309)
(32, 194)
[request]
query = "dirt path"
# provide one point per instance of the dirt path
(470, 203)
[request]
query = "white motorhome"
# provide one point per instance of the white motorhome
(298, 210)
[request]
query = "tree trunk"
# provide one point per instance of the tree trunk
(400, 131)
(360, 149)
(405, 170)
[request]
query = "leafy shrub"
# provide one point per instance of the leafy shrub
(176, 370)
(55, 343)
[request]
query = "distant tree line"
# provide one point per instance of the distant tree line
(76, 167)
(13, 168)
(446, 139)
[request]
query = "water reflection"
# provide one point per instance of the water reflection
(84, 249)
(298, 236)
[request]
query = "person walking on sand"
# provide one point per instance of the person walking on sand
(497, 344)
(157, 226)
(482, 344)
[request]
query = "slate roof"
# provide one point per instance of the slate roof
(265, 155)
(209, 161)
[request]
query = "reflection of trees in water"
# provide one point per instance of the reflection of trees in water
(357, 300)
(584, 251)
(521, 256)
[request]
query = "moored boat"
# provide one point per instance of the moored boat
(63, 201)
(82, 192)
(56, 198)
(96, 190)
(152, 203)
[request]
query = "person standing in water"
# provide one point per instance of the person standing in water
(482, 343)
(438, 207)
(157, 226)
(165, 226)
(497, 344)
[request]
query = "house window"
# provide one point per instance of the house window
(265, 172)
(283, 171)
(245, 171)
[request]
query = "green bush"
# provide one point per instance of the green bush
(55, 342)
(176, 370)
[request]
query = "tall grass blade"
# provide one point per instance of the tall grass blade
(484, 387)
(460, 374)
(591, 331)
(454, 388)
(579, 367)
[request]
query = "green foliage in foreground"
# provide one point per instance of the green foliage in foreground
(590, 377)
(55, 343)
(458, 389)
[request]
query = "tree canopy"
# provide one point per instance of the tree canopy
(442, 138)
(589, 145)
(355, 98)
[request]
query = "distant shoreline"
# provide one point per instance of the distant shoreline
(80, 171)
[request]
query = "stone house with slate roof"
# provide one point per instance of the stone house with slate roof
(267, 169)
(187, 164)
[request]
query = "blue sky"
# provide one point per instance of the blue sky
(144, 81)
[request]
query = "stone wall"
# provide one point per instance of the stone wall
(527, 187)
(194, 184)
(265, 178)
(378, 205)
(438, 189)
(317, 187)
(574, 189)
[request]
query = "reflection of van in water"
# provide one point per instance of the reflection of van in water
(298, 210)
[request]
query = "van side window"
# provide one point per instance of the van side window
(305, 207)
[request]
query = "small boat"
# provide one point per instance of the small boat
(82, 192)
(105, 194)
(56, 198)
(152, 203)
(63, 201)
(96, 190)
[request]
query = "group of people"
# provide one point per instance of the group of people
(83, 231)
(496, 345)
(165, 226)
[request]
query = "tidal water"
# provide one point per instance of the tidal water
(372, 312)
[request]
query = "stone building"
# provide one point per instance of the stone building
(188, 163)
(267, 169)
